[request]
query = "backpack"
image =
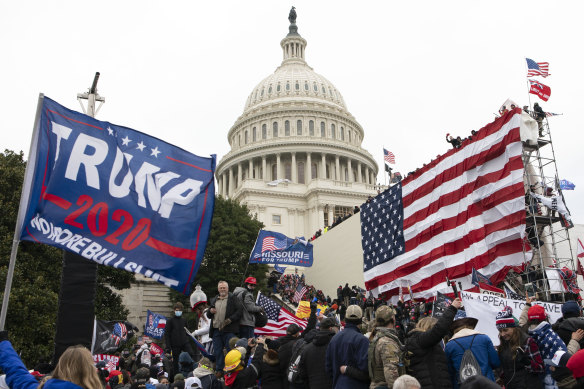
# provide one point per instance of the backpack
(293, 371)
(469, 366)
(210, 381)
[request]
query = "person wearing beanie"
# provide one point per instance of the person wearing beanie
(204, 372)
(199, 305)
(250, 308)
(428, 363)
(535, 319)
(576, 365)
(346, 354)
(521, 361)
(175, 336)
(570, 322)
(312, 362)
(271, 375)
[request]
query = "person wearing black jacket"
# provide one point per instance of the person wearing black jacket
(285, 344)
(225, 312)
(570, 322)
(428, 363)
(239, 377)
(176, 338)
(313, 357)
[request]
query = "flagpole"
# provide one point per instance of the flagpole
(527, 83)
(24, 198)
(384, 169)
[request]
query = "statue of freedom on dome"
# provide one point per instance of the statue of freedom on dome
(292, 16)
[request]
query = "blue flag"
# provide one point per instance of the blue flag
(118, 197)
(477, 278)
(155, 325)
(567, 185)
(275, 248)
(279, 269)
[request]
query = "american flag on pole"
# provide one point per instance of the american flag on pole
(271, 243)
(279, 318)
(537, 68)
(299, 293)
(388, 156)
(464, 210)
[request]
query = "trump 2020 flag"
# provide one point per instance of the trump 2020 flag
(155, 325)
(118, 197)
(275, 248)
(464, 210)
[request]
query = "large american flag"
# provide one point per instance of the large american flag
(299, 293)
(271, 243)
(279, 318)
(537, 68)
(388, 156)
(464, 210)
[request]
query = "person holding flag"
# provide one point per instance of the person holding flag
(250, 308)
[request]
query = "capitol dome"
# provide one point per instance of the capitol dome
(296, 158)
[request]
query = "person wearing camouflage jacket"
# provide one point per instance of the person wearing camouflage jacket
(385, 351)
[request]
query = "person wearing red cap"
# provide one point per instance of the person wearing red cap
(245, 295)
(546, 338)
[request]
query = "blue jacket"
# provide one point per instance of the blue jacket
(349, 347)
(482, 349)
(17, 375)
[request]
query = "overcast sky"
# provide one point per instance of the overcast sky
(409, 71)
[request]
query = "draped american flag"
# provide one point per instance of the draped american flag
(537, 68)
(271, 243)
(388, 156)
(299, 293)
(464, 210)
(279, 318)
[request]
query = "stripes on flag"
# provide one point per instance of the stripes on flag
(388, 156)
(301, 290)
(279, 318)
(464, 210)
(271, 243)
(537, 68)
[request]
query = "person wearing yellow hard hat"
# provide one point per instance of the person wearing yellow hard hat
(236, 374)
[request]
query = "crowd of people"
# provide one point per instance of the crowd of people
(335, 222)
(357, 342)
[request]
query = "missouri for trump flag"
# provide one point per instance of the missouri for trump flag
(464, 210)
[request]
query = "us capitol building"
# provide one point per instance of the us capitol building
(296, 159)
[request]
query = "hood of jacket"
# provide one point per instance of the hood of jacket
(184, 357)
(239, 290)
(201, 372)
(572, 324)
(323, 337)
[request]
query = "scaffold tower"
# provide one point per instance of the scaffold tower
(549, 264)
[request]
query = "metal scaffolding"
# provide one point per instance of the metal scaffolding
(547, 249)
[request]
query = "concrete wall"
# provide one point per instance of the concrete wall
(338, 258)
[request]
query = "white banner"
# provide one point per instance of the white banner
(485, 307)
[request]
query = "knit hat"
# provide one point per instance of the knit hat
(329, 322)
(576, 364)
(505, 319)
(232, 342)
(570, 308)
(354, 312)
(241, 343)
(293, 329)
(206, 363)
(179, 377)
(198, 297)
(536, 312)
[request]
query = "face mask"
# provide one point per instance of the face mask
(178, 313)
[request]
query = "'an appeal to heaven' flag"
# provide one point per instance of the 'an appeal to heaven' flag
(155, 325)
(118, 197)
(275, 248)
(278, 318)
(542, 91)
(388, 156)
(537, 68)
(464, 210)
